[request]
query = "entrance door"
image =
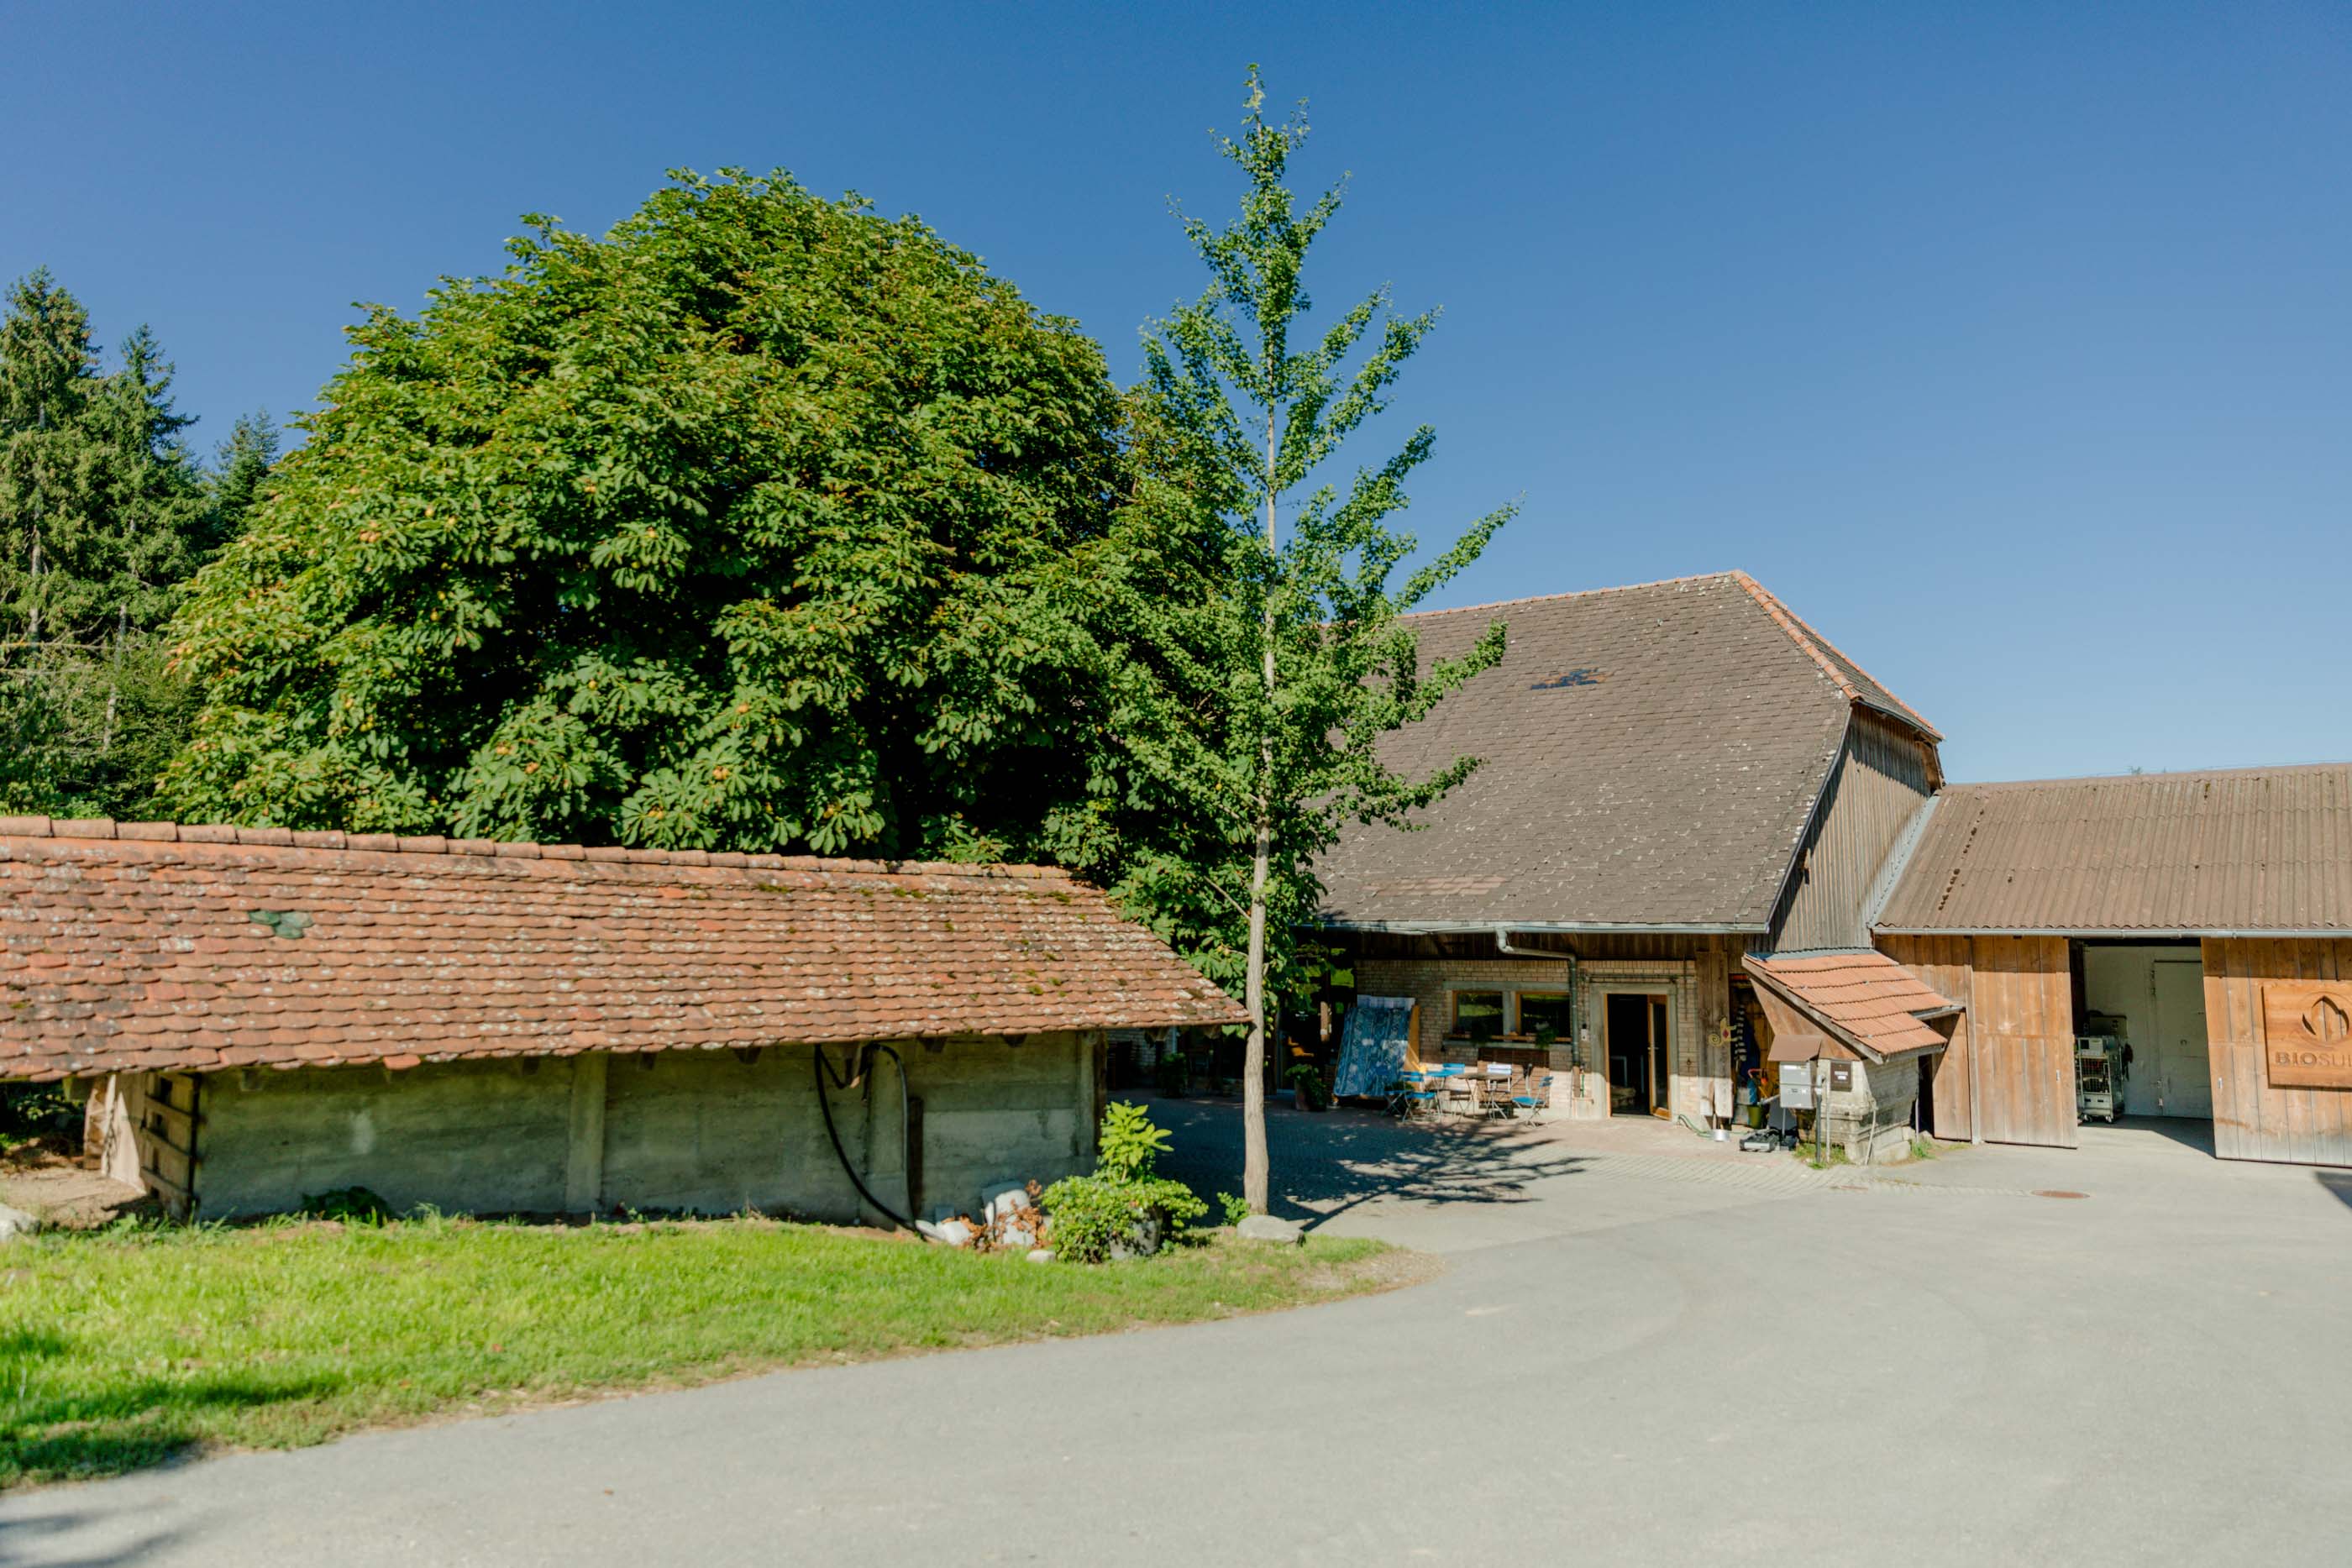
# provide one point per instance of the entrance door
(2184, 1073)
(1637, 1045)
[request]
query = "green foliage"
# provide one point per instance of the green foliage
(1258, 666)
(1130, 1143)
(1126, 1204)
(1233, 1208)
(30, 1111)
(353, 1204)
(1092, 1218)
(1313, 1094)
(102, 510)
(103, 516)
(757, 523)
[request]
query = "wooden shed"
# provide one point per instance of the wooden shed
(2205, 918)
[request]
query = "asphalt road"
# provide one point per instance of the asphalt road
(1632, 1357)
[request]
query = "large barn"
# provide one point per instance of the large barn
(1705, 845)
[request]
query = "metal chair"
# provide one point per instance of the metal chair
(1533, 1092)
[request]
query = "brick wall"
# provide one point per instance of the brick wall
(1696, 988)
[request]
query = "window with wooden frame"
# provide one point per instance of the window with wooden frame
(1544, 1016)
(1478, 1015)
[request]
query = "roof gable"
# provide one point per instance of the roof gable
(156, 947)
(1651, 755)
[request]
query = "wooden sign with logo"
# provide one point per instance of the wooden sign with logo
(2307, 1034)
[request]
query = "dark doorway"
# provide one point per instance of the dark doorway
(1636, 1026)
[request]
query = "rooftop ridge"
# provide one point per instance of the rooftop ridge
(106, 827)
(1813, 644)
(1572, 594)
(2174, 775)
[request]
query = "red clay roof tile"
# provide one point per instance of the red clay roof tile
(1866, 999)
(150, 945)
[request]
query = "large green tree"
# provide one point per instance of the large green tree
(1253, 613)
(103, 516)
(754, 524)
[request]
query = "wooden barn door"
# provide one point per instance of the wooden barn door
(2018, 1026)
(2022, 1016)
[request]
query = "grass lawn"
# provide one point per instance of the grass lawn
(119, 1349)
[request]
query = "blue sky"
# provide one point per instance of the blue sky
(2011, 345)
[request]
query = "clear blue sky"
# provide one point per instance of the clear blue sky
(2012, 345)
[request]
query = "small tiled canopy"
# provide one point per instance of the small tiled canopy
(140, 946)
(1857, 1006)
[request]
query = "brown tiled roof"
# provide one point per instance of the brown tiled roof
(149, 946)
(1651, 755)
(1865, 999)
(2254, 849)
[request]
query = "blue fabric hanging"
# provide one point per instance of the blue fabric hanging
(1372, 1045)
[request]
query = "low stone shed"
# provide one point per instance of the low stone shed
(260, 1016)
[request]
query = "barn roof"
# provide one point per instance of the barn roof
(1650, 758)
(152, 946)
(2256, 850)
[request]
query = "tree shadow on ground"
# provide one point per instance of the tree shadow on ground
(49, 1432)
(27, 1538)
(1326, 1165)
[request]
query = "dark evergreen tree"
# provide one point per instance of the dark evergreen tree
(104, 514)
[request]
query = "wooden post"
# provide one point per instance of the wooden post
(583, 1164)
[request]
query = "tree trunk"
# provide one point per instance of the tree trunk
(1255, 1165)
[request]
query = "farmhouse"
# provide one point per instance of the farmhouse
(1705, 845)
(264, 1016)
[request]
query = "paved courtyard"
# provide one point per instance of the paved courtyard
(1642, 1350)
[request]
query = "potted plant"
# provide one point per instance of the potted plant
(1307, 1087)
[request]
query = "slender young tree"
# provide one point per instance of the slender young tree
(1262, 663)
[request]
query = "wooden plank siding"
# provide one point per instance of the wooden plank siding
(2252, 1120)
(1945, 964)
(1883, 777)
(2019, 1024)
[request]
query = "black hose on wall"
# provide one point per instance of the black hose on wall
(825, 1103)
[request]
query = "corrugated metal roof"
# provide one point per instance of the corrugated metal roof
(1651, 755)
(2253, 850)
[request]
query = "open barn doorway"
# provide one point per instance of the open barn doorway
(1639, 1052)
(2144, 1002)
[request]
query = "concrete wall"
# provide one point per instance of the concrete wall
(693, 1132)
(1872, 1121)
(468, 1137)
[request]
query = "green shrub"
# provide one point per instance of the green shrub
(1126, 1203)
(1236, 1208)
(1130, 1143)
(30, 1110)
(353, 1204)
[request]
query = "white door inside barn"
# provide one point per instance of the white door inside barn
(2183, 1064)
(2157, 991)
